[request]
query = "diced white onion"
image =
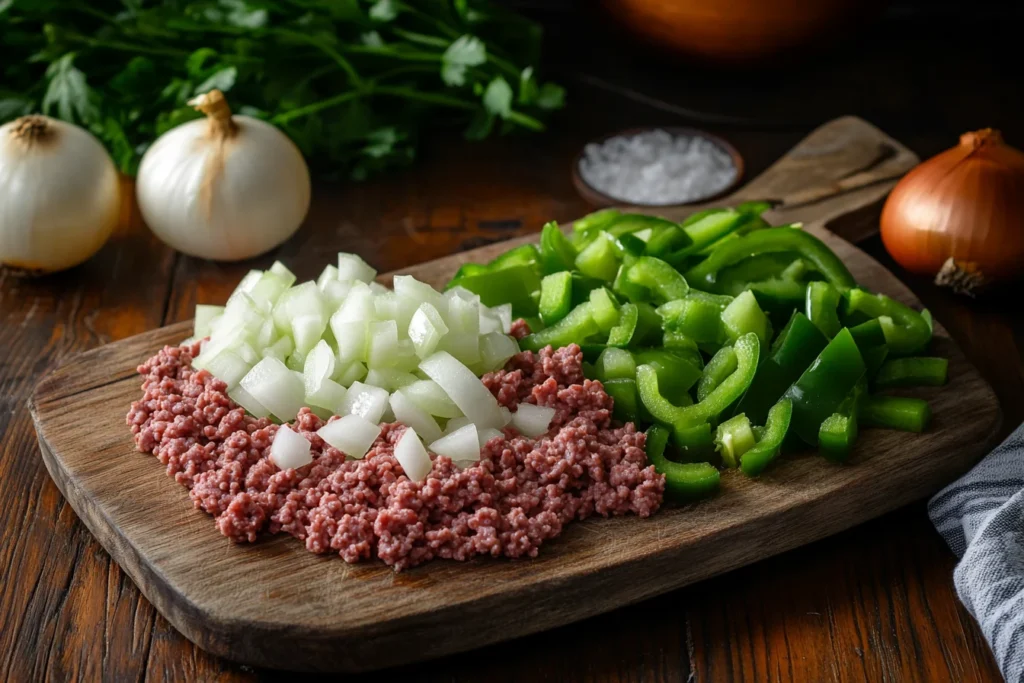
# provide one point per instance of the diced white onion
(247, 401)
(426, 328)
(428, 395)
(350, 434)
(461, 445)
(390, 379)
(411, 415)
(352, 267)
(307, 331)
(205, 315)
(412, 456)
(290, 450)
(504, 314)
(273, 385)
(365, 401)
(495, 350)
(486, 434)
(464, 388)
(226, 366)
(532, 420)
(383, 344)
(408, 287)
(319, 365)
(353, 372)
(329, 395)
(329, 274)
(353, 338)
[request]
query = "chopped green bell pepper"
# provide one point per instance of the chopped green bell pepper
(599, 259)
(721, 365)
(662, 281)
(676, 372)
(917, 371)
(838, 432)
(578, 327)
(585, 229)
(667, 239)
(683, 481)
(698, 315)
(555, 297)
(681, 418)
(615, 363)
(783, 239)
(524, 255)
(556, 251)
(516, 284)
(906, 331)
(604, 309)
(743, 315)
(625, 398)
(823, 307)
(769, 441)
(733, 438)
(824, 385)
(896, 412)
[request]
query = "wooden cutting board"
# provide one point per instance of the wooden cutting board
(275, 604)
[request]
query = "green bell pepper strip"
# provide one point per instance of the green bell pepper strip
(556, 251)
(467, 269)
(683, 481)
(676, 372)
(615, 363)
(525, 255)
(896, 412)
(824, 385)
(822, 307)
(769, 440)
(630, 245)
(591, 351)
(604, 309)
(555, 297)
(698, 316)
(874, 358)
(906, 331)
(516, 285)
(798, 344)
(695, 444)
(625, 398)
(622, 333)
(779, 297)
(681, 418)
(733, 438)
(868, 334)
(838, 431)
(585, 229)
(667, 239)
(616, 226)
(599, 259)
(582, 286)
(721, 365)
(749, 225)
(737, 278)
(657, 277)
(706, 230)
(918, 371)
(809, 247)
(743, 315)
(578, 327)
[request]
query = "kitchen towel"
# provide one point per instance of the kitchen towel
(981, 516)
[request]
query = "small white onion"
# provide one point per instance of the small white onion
(461, 445)
(226, 187)
(531, 420)
(351, 434)
(290, 450)
(59, 195)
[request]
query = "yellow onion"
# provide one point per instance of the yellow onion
(960, 214)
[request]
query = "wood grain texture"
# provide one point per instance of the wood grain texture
(373, 617)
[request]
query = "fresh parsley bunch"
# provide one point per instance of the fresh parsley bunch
(353, 82)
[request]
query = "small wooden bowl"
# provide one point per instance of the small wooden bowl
(599, 199)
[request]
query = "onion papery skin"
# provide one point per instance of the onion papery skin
(223, 197)
(60, 195)
(966, 203)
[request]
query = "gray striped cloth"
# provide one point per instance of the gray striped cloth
(981, 516)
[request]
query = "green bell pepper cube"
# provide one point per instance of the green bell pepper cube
(657, 277)
(516, 285)
(906, 331)
(630, 245)
(591, 351)
(868, 334)
(467, 269)
(917, 371)
(599, 259)
(874, 358)
(798, 344)
(824, 385)
(838, 432)
(604, 309)
(695, 444)
(615, 363)
(756, 268)
(667, 239)
(743, 315)
(582, 286)
(779, 297)
(698, 315)
(822, 307)
(709, 228)
(769, 439)
(556, 251)
(782, 239)
(577, 327)
(555, 297)
(681, 418)
(625, 398)
(733, 438)
(683, 481)
(896, 412)
(721, 365)
(622, 333)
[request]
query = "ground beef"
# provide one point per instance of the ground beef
(521, 493)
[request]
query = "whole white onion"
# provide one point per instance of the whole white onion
(225, 187)
(59, 195)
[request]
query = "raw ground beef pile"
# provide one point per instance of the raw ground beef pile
(521, 493)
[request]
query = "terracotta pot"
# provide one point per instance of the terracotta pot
(738, 31)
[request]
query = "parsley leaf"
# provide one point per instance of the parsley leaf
(498, 97)
(383, 10)
(67, 93)
(222, 79)
(464, 52)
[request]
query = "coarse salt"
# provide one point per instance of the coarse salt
(658, 168)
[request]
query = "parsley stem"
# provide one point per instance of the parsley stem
(317, 106)
(525, 120)
(345, 65)
(419, 96)
(127, 47)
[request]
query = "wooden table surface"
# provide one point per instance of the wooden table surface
(874, 603)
